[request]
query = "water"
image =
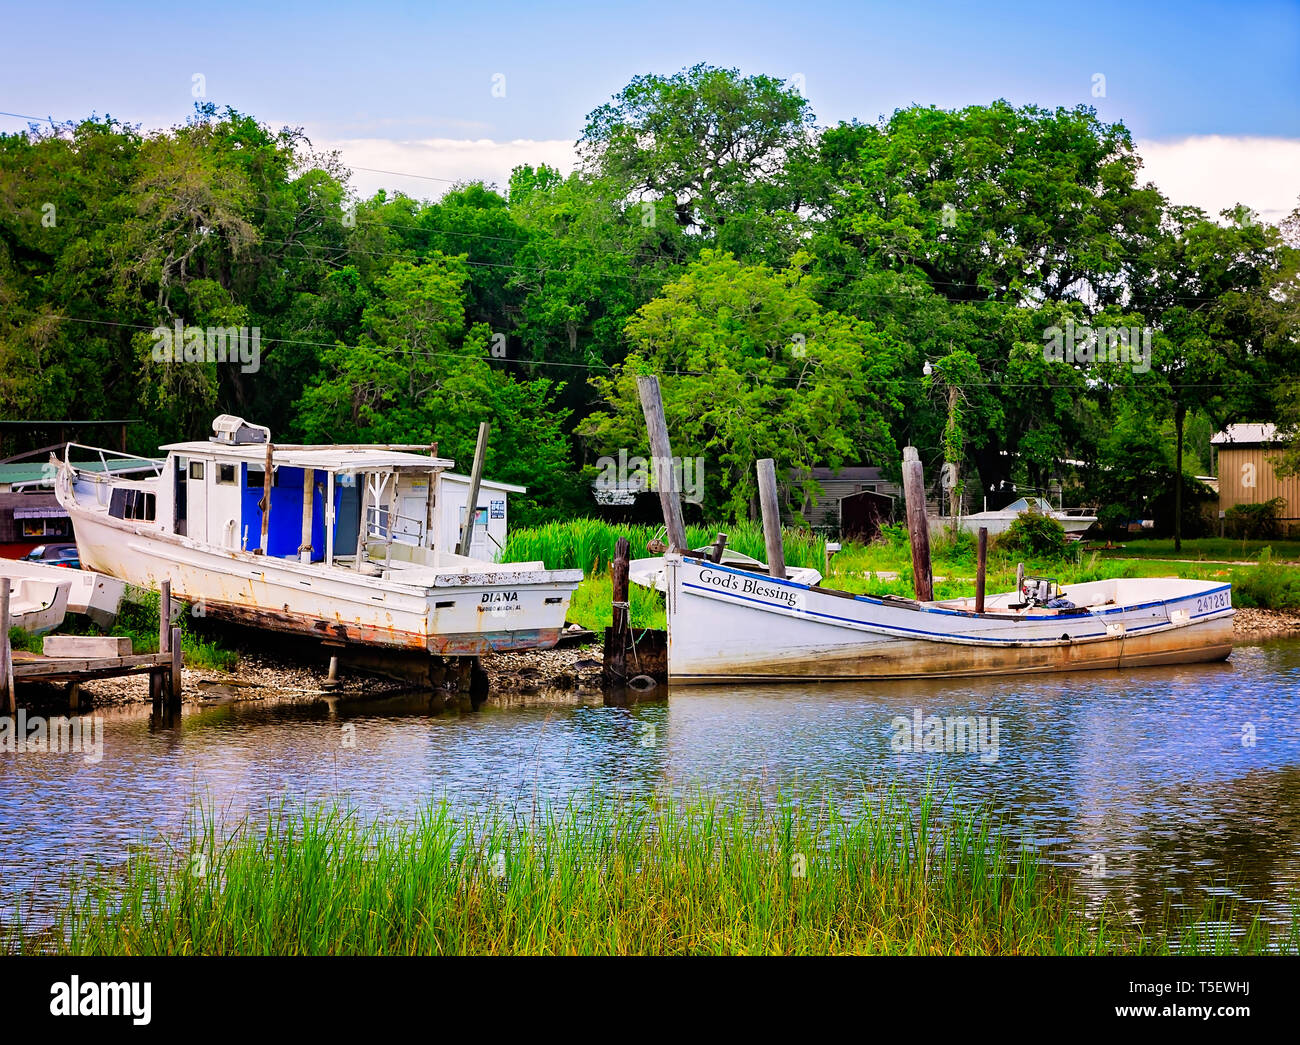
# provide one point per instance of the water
(1151, 787)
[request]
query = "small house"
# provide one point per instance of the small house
(1247, 473)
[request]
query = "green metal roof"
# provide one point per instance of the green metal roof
(34, 471)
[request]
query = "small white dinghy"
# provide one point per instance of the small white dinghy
(94, 595)
(36, 605)
(727, 624)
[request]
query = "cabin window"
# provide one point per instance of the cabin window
(132, 504)
(226, 475)
(196, 469)
(256, 478)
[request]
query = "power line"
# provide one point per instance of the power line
(675, 372)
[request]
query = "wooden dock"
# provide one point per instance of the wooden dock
(164, 667)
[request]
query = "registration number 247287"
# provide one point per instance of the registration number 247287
(1217, 600)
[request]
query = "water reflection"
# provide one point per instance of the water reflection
(1153, 786)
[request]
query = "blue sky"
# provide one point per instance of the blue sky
(376, 79)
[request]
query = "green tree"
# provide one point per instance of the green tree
(417, 375)
(712, 144)
(752, 366)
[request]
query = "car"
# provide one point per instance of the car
(55, 555)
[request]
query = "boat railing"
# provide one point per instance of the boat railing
(106, 472)
(380, 526)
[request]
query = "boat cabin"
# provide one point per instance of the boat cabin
(327, 504)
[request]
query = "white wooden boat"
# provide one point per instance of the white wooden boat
(732, 625)
(36, 604)
(1075, 521)
(352, 549)
(91, 594)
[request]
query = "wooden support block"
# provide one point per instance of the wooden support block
(74, 695)
(89, 646)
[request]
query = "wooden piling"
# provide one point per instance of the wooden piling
(661, 453)
(476, 477)
(1020, 582)
(981, 563)
(616, 639)
(165, 616)
(6, 654)
(719, 546)
(265, 503)
(308, 496)
(918, 528)
(769, 502)
(177, 665)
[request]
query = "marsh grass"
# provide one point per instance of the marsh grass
(588, 544)
(600, 876)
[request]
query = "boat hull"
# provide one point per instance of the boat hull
(94, 595)
(729, 626)
(458, 614)
(37, 605)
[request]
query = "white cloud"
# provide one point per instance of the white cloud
(1216, 172)
(1213, 172)
(427, 168)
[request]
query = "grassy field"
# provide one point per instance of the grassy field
(599, 877)
(588, 544)
(1221, 549)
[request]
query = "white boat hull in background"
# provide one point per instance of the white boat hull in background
(94, 595)
(36, 605)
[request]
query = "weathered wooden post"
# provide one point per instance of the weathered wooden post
(719, 546)
(661, 454)
(1020, 582)
(6, 654)
(177, 666)
(165, 616)
(768, 500)
(308, 495)
(265, 503)
(475, 478)
(981, 563)
(918, 528)
(616, 638)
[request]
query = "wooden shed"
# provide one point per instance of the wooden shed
(1247, 472)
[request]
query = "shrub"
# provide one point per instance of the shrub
(1034, 533)
(1255, 521)
(1268, 586)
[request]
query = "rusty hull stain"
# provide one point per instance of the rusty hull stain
(1208, 641)
(470, 645)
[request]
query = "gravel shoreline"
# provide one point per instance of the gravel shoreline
(567, 673)
(261, 676)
